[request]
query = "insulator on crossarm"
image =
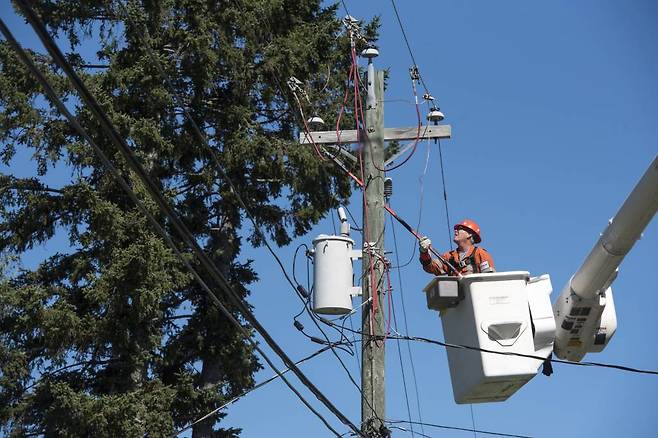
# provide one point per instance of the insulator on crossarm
(435, 115)
(315, 122)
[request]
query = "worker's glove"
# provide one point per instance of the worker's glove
(424, 244)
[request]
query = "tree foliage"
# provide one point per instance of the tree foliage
(110, 336)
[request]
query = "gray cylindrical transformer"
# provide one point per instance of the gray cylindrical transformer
(332, 274)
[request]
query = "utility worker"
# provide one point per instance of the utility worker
(466, 259)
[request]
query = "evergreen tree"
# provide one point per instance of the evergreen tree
(111, 336)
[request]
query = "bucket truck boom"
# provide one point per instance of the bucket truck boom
(585, 312)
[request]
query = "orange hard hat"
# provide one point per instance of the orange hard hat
(471, 227)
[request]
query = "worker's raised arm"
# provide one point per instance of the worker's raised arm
(433, 266)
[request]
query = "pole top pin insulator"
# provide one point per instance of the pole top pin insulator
(435, 115)
(370, 52)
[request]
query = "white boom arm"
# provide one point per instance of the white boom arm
(584, 312)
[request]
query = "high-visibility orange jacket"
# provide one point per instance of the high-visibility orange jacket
(477, 261)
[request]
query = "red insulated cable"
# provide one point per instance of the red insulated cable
(342, 107)
(416, 140)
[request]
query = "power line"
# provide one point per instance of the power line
(244, 393)
(345, 7)
(406, 325)
(528, 356)
(182, 230)
(445, 195)
(406, 40)
(475, 434)
(421, 203)
(463, 429)
(404, 378)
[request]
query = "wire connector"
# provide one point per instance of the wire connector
(302, 290)
(353, 29)
(414, 73)
(319, 341)
(295, 86)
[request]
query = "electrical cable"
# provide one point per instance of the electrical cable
(248, 391)
(421, 203)
(345, 7)
(406, 40)
(445, 196)
(404, 378)
(475, 434)
(354, 221)
(342, 107)
(407, 430)
(362, 184)
(527, 356)
(406, 325)
(186, 236)
(415, 141)
(356, 350)
(294, 259)
(463, 429)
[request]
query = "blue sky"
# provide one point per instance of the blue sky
(554, 110)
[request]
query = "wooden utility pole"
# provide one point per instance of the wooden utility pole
(372, 321)
(373, 410)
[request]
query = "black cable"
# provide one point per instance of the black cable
(392, 427)
(356, 350)
(345, 7)
(354, 221)
(404, 378)
(531, 356)
(445, 196)
(528, 356)
(406, 325)
(463, 429)
(181, 229)
(406, 40)
(421, 180)
(244, 393)
(473, 420)
(294, 277)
